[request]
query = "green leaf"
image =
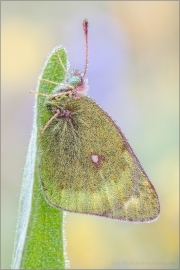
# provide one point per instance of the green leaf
(40, 239)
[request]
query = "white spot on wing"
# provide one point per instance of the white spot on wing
(95, 158)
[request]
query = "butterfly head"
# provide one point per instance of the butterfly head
(80, 84)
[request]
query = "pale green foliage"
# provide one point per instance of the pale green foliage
(39, 242)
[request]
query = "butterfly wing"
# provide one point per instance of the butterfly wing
(143, 206)
(85, 163)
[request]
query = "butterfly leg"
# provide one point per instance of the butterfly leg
(50, 120)
(61, 63)
(51, 96)
(59, 84)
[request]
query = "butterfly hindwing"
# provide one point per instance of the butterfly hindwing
(143, 206)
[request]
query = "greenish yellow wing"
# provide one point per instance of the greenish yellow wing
(85, 163)
(143, 206)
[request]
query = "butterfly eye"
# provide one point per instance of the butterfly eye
(74, 80)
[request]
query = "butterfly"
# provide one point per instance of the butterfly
(85, 163)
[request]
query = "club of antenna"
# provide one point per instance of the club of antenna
(85, 30)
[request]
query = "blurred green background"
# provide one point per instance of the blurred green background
(133, 74)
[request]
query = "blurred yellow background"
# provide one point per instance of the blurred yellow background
(133, 74)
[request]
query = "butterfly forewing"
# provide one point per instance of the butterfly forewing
(87, 165)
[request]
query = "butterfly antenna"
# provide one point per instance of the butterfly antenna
(85, 30)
